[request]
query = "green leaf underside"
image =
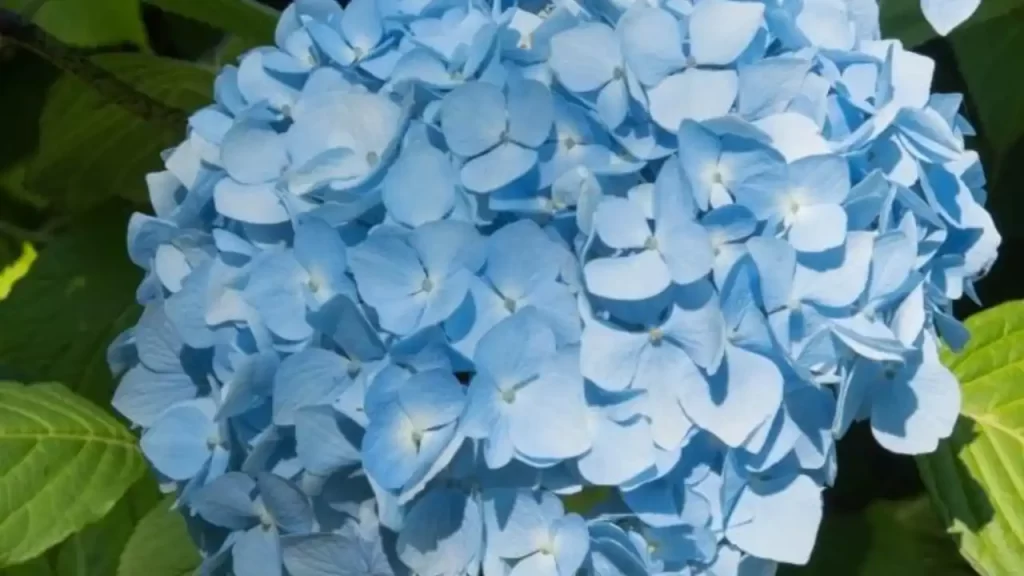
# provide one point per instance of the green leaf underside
(77, 299)
(64, 463)
(86, 23)
(91, 148)
(245, 18)
(977, 476)
(888, 538)
(160, 545)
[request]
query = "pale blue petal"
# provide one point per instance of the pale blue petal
(733, 403)
(694, 94)
(389, 454)
(628, 278)
(285, 502)
(720, 30)
(253, 204)
(549, 416)
(420, 186)
(531, 113)
(584, 58)
(514, 350)
(620, 453)
(820, 179)
(651, 43)
(498, 168)
(776, 263)
(310, 377)
(443, 533)
(700, 332)
(362, 25)
(521, 257)
(911, 417)
(257, 552)
(610, 357)
(325, 440)
(571, 543)
(253, 153)
(177, 443)
(686, 247)
(227, 501)
(432, 399)
(621, 224)
(818, 228)
(754, 523)
(143, 394)
(473, 118)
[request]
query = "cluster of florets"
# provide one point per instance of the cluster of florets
(430, 274)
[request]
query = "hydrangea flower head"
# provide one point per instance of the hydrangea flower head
(427, 269)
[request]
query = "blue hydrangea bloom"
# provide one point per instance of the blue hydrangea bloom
(426, 269)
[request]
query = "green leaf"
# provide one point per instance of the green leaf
(92, 148)
(85, 23)
(903, 19)
(59, 319)
(64, 463)
(160, 545)
(245, 18)
(977, 476)
(888, 538)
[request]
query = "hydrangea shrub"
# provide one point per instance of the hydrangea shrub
(428, 270)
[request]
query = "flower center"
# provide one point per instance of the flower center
(655, 335)
(510, 305)
(618, 73)
(508, 396)
(651, 243)
(427, 285)
(372, 158)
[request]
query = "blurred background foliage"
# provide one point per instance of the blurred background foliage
(91, 92)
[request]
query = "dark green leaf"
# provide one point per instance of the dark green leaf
(58, 321)
(85, 23)
(888, 538)
(160, 545)
(977, 476)
(91, 148)
(245, 18)
(903, 19)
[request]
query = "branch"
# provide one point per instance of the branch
(24, 34)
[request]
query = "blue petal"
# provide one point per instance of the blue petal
(651, 42)
(694, 94)
(498, 168)
(754, 523)
(621, 224)
(285, 502)
(734, 402)
(520, 258)
(514, 349)
(818, 228)
(389, 453)
(258, 552)
(628, 278)
(911, 417)
(776, 264)
(531, 113)
(143, 394)
(584, 58)
(721, 30)
(620, 452)
(473, 118)
(362, 25)
(227, 501)
(549, 416)
(253, 204)
(177, 443)
(432, 399)
(420, 186)
(700, 332)
(610, 357)
(310, 377)
(443, 533)
(325, 440)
